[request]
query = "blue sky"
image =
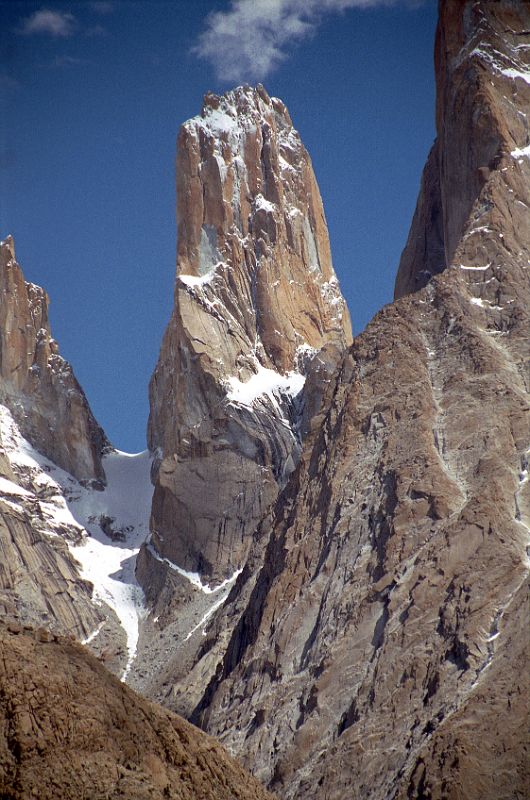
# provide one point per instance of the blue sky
(92, 95)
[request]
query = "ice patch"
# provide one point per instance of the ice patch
(476, 269)
(314, 261)
(209, 255)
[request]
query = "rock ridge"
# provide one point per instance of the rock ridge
(37, 384)
(70, 730)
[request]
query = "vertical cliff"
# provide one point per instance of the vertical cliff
(256, 298)
(380, 651)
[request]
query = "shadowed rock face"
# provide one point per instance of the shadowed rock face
(378, 641)
(70, 730)
(37, 384)
(255, 298)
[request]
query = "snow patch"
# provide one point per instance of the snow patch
(199, 280)
(517, 73)
(521, 152)
(478, 301)
(12, 489)
(124, 504)
(206, 617)
(264, 382)
(193, 577)
(262, 204)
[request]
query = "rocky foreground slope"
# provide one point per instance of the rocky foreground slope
(379, 628)
(69, 729)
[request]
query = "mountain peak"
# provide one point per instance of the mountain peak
(256, 298)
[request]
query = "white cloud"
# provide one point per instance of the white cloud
(251, 38)
(53, 23)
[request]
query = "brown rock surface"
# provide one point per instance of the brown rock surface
(379, 631)
(255, 297)
(70, 730)
(37, 384)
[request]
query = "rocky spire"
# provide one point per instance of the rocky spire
(256, 298)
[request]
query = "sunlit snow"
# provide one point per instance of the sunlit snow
(193, 577)
(265, 381)
(521, 152)
(125, 503)
(517, 73)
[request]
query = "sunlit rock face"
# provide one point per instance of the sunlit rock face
(256, 298)
(379, 633)
(37, 384)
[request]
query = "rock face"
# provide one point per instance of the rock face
(378, 641)
(40, 581)
(73, 511)
(69, 729)
(37, 384)
(255, 298)
(481, 59)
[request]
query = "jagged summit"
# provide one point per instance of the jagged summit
(248, 203)
(241, 101)
(9, 244)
